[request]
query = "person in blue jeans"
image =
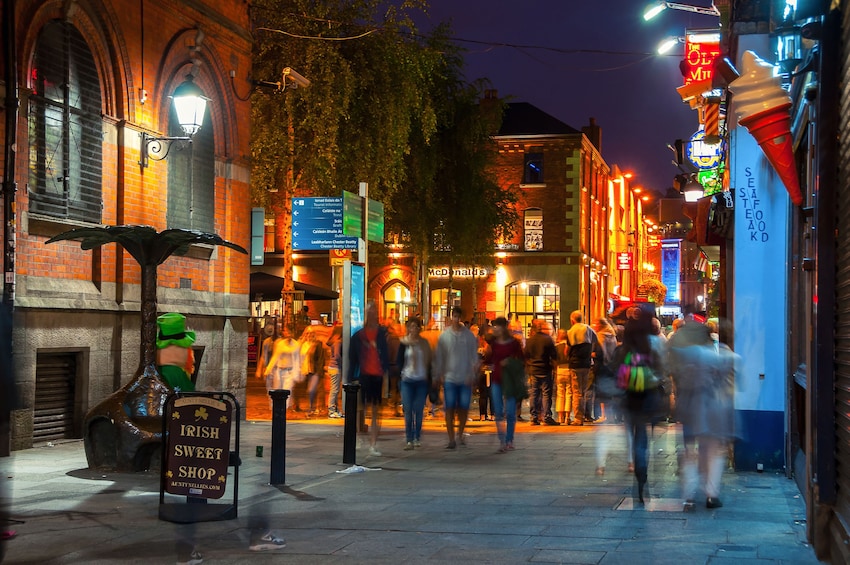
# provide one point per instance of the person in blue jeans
(456, 366)
(414, 360)
(503, 346)
(334, 343)
(641, 407)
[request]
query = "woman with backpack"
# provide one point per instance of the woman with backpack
(640, 362)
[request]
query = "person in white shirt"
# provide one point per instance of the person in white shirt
(456, 366)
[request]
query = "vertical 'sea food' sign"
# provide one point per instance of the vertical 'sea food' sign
(198, 448)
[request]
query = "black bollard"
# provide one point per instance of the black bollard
(278, 472)
(349, 437)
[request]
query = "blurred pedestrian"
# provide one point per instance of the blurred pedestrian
(516, 329)
(368, 363)
(563, 381)
(175, 362)
(485, 407)
(313, 359)
(414, 360)
(431, 334)
(603, 353)
(641, 367)
(395, 332)
(610, 396)
(580, 338)
(541, 359)
(504, 348)
(283, 370)
(334, 343)
(266, 347)
(456, 367)
(704, 372)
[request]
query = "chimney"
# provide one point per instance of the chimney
(491, 109)
(594, 134)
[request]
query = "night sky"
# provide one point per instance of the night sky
(577, 59)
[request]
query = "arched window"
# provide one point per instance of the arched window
(65, 127)
(191, 177)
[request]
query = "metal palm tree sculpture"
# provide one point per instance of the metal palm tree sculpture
(124, 431)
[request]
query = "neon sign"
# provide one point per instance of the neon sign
(701, 49)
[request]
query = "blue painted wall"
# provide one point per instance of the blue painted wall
(760, 285)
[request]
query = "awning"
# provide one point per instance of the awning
(270, 286)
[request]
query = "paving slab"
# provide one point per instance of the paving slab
(542, 503)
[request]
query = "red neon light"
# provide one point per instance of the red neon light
(699, 61)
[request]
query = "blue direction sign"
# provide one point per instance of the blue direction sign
(317, 225)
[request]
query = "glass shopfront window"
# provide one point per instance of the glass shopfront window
(441, 305)
(528, 300)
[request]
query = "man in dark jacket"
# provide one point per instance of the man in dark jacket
(541, 361)
(368, 363)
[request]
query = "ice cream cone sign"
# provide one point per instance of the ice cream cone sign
(764, 108)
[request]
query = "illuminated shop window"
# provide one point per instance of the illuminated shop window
(527, 300)
(441, 305)
(398, 304)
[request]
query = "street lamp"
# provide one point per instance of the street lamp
(693, 191)
(668, 44)
(658, 7)
(191, 105)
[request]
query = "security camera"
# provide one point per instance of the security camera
(292, 75)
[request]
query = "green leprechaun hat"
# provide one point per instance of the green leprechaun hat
(172, 331)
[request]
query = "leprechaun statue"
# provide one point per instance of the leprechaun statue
(175, 359)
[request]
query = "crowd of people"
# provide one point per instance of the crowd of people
(629, 374)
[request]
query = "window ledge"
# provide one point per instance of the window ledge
(40, 224)
(202, 251)
(533, 185)
(48, 226)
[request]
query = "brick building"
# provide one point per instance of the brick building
(91, 77)
(575, 215)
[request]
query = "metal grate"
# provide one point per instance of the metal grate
(842, 314)
(53, 413)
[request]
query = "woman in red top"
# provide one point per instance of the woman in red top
(502, 347)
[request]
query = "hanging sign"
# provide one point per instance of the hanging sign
(701, 49)
(704, 155)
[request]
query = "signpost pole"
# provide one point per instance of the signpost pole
(363, 245)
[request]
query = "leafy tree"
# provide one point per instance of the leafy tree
(354, 121)
(452, 210)
(384, 106)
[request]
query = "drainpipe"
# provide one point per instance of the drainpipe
(9, 190)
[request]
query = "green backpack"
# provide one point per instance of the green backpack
(636, 374)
